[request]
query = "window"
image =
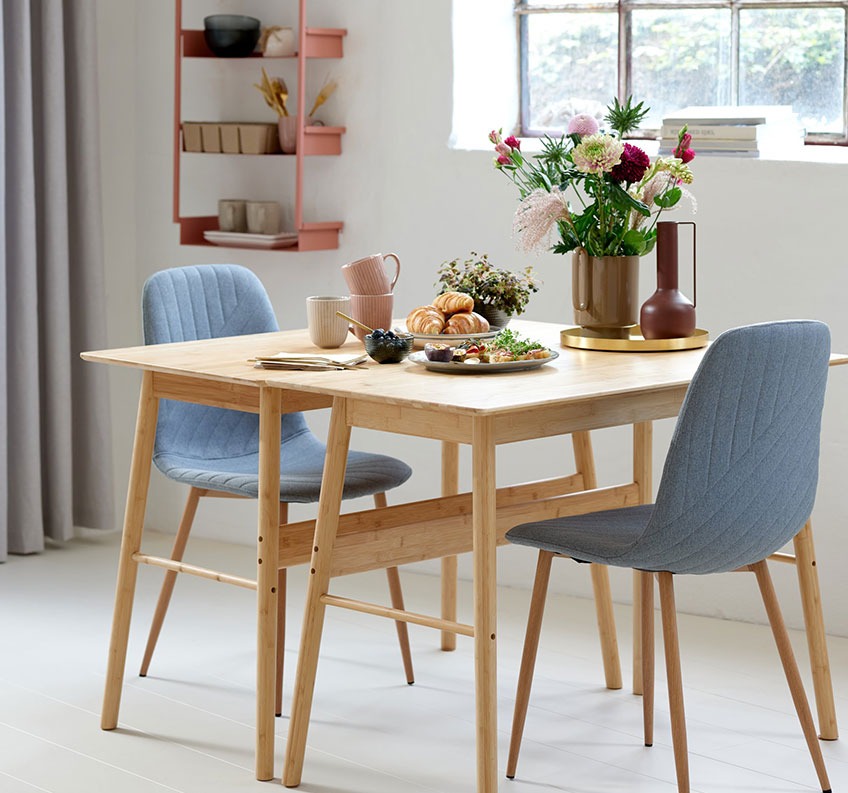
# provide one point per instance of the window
(575, 56)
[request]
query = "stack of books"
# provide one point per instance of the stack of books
(740, 131)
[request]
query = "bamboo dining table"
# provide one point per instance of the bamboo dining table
(577, 392)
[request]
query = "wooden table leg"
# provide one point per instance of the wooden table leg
(643, 438)
(450, 487)
(267, 553)
(584, 460)
(485, 602)
(326, 527)
(142, 454)
(808, 580)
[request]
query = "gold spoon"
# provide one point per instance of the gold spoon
(354, 321)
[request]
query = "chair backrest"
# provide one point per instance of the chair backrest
(741, 472)
(207, 301)
(204, 301)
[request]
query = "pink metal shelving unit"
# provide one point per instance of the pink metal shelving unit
(311, 141)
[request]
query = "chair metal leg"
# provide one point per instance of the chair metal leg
(675, 681)
(790, 668)
(528, 658)
(165, 593)
(647, 628)
(396, 595)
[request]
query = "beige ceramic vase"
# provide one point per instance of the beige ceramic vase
(605, 293)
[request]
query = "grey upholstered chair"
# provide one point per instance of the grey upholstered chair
(215, 451)
(739, 482)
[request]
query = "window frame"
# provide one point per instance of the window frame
(623, 8)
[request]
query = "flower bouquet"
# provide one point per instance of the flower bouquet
(599, 192)
(602, 196)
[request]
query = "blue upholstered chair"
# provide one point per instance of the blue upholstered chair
(215, 451)
(739, 482)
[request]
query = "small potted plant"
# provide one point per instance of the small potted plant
(498, 294)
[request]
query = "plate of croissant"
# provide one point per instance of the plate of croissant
(450, 317)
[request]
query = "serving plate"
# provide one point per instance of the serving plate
(451, 339)
(235, 239)
(481, 368)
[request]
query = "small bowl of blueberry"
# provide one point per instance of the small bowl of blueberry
(386, 346)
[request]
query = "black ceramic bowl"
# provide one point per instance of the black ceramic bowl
(389, 350)
(231, 35)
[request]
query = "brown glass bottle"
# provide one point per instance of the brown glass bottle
(668, 313)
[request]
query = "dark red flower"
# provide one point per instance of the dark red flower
(513, 142)
(687, 156)
(634, 163)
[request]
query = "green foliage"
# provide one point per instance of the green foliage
(627, 117)
(477, 276)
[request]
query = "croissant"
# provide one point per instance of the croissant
(466, 322)
(425, 320)
(453, 302)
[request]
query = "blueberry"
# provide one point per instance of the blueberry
(378, 334)
(390, 334)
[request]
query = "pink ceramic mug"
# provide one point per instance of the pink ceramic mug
(368, 276)
(375, 311)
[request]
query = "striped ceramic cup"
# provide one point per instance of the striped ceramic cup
(325, 328)
(368, 276)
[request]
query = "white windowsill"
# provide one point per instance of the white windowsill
(835, 155)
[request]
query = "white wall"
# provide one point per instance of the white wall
(771, 241)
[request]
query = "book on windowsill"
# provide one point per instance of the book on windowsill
(729, 115)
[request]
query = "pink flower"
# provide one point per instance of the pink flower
(582, 125)
(513, 142)
(682, 151)
(503, 149)
(504, 160)
(597, 153)
(634, 163)
(495, 136)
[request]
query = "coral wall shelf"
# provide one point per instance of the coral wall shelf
(311, 140)
(310, 236)
(320, 43)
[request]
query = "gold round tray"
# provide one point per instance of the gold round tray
(578, 337)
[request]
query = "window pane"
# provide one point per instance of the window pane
(680, 57)
(571, 64)
(794, 56)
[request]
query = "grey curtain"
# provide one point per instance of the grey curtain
(55, 445)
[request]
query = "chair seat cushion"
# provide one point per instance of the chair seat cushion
(607, 537)
(301, 467)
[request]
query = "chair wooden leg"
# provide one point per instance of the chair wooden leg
(528, 658)
(396, 595)
(790, 668)
(584, 461)
(281, 620)
(281, 638)
(647, 628)
(808, 581)
(450, 487)
(165, 593)
(675, 681)
(643, 434)
(606, 625)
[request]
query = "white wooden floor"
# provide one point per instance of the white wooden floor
(188, 726)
